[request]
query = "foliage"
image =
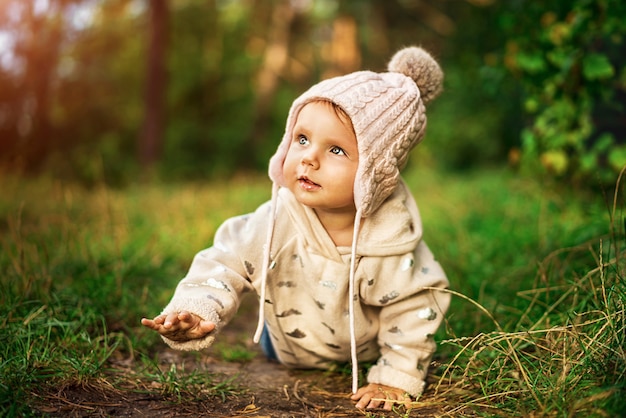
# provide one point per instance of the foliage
(477, 119)
(573, 71)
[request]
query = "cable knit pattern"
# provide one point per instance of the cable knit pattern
(388, 115)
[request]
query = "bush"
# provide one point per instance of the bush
(573, 70)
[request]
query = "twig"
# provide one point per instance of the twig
(301, 399)
(76, 405)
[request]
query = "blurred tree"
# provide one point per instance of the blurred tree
(28, 75)
(99, 106)
(151, 136)
(478, 117)
(235, 67)
(212, 60)
(67, 89)
(272, 68)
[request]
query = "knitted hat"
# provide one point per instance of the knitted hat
(389, 118)
(388, 115)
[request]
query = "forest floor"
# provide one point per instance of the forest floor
(262, 389)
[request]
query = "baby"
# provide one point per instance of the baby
(336, 257)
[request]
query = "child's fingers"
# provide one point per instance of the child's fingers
(364, 401)
(377, 396)
(154, 324)
(200, 329)
(179, 326)
(397, 398)
(170, 320)
(206, 327)
(184, 316)
(147, 323)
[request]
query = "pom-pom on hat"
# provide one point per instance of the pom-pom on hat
(388, 115)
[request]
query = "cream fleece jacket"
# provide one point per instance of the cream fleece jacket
(307, 288)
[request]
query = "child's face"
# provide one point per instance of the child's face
(322, 160)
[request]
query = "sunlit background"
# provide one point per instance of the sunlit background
(106, 90)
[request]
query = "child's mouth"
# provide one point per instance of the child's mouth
(307, 184)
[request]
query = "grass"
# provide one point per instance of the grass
(177, 385)
(565, 358)
(537, 325)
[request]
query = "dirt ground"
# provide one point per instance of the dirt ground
(264, 389)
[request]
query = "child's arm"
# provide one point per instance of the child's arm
(210, 294)
(179, 326)
(373, 395)
(412, 310)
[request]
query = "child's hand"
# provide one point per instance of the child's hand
(373, 395)
(179, 326)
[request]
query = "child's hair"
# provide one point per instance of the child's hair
(339, 112)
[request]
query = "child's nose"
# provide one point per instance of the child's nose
(310, 158)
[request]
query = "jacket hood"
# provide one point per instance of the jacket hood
(395, 230)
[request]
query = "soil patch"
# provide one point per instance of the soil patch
(261, 388)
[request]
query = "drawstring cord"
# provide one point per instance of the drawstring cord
(352, 294)
(266, 263)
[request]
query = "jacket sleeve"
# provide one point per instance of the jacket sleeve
(220, 275)
(409, 317)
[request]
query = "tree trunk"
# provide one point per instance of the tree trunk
(34, 126)
(151, 136)
(275, 60)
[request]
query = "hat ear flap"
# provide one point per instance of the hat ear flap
(275, 169)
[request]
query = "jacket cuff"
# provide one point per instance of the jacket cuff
(388, 376)
(201, 310)
(191, 345)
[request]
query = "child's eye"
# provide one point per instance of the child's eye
(303, 140)
(337, 151)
